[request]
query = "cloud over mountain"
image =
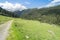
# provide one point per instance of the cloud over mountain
(53, 3)
(12, 7)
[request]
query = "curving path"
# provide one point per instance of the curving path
(4, 30)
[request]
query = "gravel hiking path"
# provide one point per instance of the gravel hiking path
(4, 29)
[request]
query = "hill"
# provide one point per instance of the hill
(33, 30)
(46, 15)
(49, 15)
(7, 13)
(4, 19)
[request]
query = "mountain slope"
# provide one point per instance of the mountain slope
(4, 19)
(7, 13)
(33, 30)
(48, 15)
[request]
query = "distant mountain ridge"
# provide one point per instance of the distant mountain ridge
(48, 15)
(8, 13)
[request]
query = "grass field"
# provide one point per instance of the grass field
(33, 30)
(4, 19)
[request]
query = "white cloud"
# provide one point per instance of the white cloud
(12, 7)
(53, 3)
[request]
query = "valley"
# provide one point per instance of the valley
(32, 24)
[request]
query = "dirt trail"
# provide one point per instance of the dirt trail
(4, 30)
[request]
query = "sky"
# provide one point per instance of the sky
(13, 5)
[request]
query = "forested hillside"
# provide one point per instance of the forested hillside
(7, 13)
(48, 15)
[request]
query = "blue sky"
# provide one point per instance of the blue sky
(29, 3)
(24, 4)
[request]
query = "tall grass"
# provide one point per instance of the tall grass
(33, 30)
(4, 19)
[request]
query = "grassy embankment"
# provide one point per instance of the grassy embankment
(4, 19)
(33, 30)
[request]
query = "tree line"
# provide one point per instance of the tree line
(47, 15)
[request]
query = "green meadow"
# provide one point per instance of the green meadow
(4, 19)
(22, 29)
(33, 30)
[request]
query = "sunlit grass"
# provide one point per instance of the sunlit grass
(33, 30)
(4, 19)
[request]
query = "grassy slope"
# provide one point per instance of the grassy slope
(4, 19)
(33, 30)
